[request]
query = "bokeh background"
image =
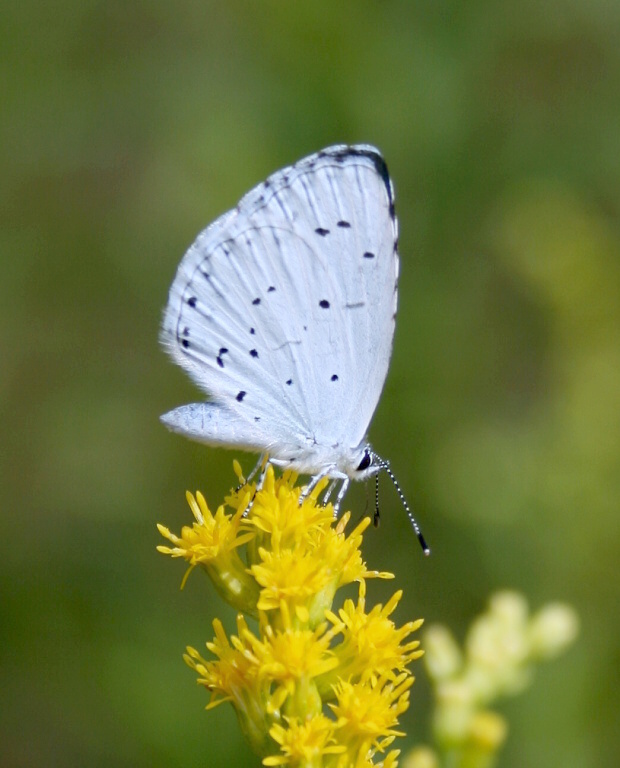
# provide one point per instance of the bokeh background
(125, 128)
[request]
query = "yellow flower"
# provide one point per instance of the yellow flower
(301, 555)
(367, 712)
(372, 646)
(234, 677)
(282, 563)
(212, 543)
(304, 743)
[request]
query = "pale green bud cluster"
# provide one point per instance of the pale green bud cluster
(497, 659)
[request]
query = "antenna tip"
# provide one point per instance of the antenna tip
(424, 545)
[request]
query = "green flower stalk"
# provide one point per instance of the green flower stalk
(312, 687)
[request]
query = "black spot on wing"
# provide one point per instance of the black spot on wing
(192, 301)
(271, 289)
(252, 331)
(334, 377)
(343, 224)
(240, 395)
(254, 353)
(324, 304)
(369, 255)
(256, 301)
(322, 231)
(220, 356)
(289, 382)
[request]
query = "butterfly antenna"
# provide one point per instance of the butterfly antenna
(377, 518)
(403, 500)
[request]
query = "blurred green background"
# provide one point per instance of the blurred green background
(125, 128)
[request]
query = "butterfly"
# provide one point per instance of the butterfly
(283, 312)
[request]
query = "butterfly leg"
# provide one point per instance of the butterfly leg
(340, 497)
(261, 479)
(329, 491)
(254, 472)
(259, 484)
(314, 481)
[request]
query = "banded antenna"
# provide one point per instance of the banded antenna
(403, 501)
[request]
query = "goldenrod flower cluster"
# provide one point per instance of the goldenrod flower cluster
(312, 686)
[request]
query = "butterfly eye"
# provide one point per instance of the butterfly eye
(365, 462)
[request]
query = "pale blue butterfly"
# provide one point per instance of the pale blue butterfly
(283, 312)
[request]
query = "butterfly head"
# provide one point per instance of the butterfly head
(366, 464)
